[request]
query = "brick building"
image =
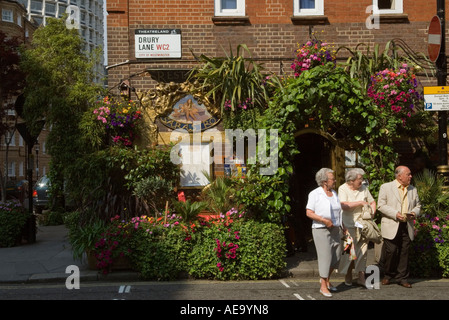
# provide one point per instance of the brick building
(14, 23)
(272, 30)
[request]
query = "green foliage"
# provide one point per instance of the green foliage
(59, 88)
(219, 193)
(189, 210)
(225, 247)
(429, 254)
(13, 218)
(154, 191)
(363, 64)
(434, 199)
(83, 235)
(262, 250)
(237, 84)
(264, 198)
(114, 180)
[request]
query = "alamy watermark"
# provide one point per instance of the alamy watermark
(373, 279)
(73, 19)
(261, 147)
(73, 280)
(373, 21)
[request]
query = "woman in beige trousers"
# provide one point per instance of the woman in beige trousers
(353, 196)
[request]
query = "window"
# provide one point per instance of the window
(36, 7)
(50, 9)
(308, 7)
(11, 169)
(388, 6)
(230, 8)
(7, 15)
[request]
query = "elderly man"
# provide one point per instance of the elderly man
(399, 204)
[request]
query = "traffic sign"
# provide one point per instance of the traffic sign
(436, 98)
(434, 40)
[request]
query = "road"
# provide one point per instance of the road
(293, 289)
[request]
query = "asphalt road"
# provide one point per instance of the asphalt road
(202, 290)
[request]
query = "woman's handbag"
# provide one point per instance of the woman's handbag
(370, 230)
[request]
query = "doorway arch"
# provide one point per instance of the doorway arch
(317, 149)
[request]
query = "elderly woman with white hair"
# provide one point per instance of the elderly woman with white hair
(323, 207)
(353, 196)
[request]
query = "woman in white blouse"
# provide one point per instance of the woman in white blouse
(353, 196)
(324, 208)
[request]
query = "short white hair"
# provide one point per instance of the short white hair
(352, 174)
(321, 176)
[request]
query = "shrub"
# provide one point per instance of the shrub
(158, 247)
(429, 255)
(429, 252)
(227, 247)
(13, 218)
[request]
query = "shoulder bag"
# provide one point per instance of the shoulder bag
(370, 230)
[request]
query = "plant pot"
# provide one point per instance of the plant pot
(121, 263)
(91, 260)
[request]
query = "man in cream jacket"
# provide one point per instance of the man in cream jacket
(399, 204)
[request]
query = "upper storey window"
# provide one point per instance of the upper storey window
(229, 8)
(308, 7)
(388, 6)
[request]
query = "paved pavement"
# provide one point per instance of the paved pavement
(46, 260)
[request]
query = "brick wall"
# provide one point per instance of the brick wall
(269, 31)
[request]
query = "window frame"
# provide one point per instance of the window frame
(239, 12)
(398, 7)
(318, 11)
(7, 15)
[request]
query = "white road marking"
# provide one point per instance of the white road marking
(124, 289)
(298, 296)
(284, 283)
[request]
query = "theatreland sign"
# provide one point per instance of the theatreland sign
(157, 43)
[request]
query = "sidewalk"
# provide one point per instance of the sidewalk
(46, 260)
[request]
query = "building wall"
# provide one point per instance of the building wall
(17, 162)
(268, 28)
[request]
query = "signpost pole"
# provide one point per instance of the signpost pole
(441, 65)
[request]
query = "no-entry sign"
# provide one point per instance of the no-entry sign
(434, 42)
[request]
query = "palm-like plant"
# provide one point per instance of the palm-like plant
(363, 64)
(434, 198)
(233, 78)
(218, 194)
(189, 210)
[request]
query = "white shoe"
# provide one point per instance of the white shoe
(326, 294)
(334, 289)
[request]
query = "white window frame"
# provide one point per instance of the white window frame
(398, 7)
(318, 11)
(11, 169)
(239, 12)
(7, 15)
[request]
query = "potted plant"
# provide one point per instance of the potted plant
(83, 237)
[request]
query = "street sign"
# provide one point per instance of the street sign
(436, 98)
(434, 40)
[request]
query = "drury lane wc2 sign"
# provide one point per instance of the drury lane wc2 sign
(157, 43)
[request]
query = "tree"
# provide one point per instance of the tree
(59, 88)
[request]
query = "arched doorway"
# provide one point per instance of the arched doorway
(316, 149)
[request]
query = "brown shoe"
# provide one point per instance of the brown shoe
(386, 281)
(405, 284)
